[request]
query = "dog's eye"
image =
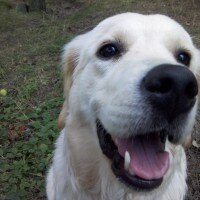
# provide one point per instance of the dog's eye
(183, 57)
(108, 51)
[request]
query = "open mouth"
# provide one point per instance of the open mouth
(140, 162)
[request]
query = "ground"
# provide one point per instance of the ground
(30, 72)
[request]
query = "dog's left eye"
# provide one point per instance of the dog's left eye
(108, 51)
(183, 57)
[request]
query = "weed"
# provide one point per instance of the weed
(27, 147)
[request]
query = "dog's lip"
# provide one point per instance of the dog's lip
(109, 147)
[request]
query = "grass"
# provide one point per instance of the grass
(30, 71)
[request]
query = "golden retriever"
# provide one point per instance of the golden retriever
(130, 104)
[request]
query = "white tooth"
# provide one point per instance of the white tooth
(127, 160)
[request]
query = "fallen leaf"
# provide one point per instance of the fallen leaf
(12, 135)
(22, 129)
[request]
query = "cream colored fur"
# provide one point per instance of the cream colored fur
(95, 88)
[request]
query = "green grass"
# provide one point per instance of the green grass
(30, 71)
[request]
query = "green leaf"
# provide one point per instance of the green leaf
(43, 147)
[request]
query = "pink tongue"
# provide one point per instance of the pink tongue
(148, 160)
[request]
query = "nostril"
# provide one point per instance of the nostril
(191, 89)
(162, 86)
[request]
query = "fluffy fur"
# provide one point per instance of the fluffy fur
(95, 88)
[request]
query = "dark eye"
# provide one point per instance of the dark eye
(183, 57)
(108, 51)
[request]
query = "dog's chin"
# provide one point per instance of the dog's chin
(139, 162)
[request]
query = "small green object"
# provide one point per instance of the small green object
(3, 92)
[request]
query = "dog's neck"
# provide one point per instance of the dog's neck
(86, 153)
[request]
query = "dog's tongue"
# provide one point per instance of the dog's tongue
(148, 159)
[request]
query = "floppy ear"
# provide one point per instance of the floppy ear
(70, 59)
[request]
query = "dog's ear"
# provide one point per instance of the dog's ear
(70, 59)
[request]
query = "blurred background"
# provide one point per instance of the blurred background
(32, 34)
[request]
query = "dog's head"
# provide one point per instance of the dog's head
(133, 77)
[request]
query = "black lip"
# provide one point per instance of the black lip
(110, 150)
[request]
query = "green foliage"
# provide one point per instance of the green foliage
(24, 161)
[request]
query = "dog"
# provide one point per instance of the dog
(131, 96)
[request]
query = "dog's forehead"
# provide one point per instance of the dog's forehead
(133, 24)
(139, 21)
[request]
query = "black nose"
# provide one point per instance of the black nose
(171, 89)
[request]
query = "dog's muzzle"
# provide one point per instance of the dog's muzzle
(140, 161)
(170, 90)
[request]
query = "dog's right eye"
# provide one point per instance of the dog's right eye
(108, 51)
(183, 57)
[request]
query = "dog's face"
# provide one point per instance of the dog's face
(134, 81)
